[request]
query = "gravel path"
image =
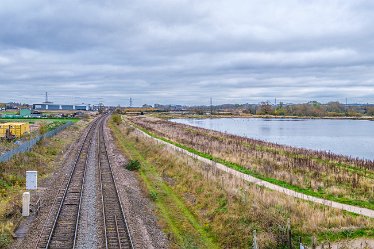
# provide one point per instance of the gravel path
(87, 230)
(249, 178)
(139, 210)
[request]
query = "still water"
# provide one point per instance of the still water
(347, 137)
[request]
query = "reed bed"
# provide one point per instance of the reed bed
(228, 208)
(346, 179)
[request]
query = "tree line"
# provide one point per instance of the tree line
(312, 109)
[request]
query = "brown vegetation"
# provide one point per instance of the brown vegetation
(226, 207)
(12, 176)
(321, 172)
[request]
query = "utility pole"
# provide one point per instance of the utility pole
(211, 106)
(46, 99)
(346, 106)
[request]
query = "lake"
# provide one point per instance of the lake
(347, 137)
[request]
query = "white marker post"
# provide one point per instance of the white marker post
(26, 204)
(31, 184)
(31, 180)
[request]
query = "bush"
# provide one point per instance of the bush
(153, 195)
(133, 165)
(43, 128)
(117, 119)
(5, 239)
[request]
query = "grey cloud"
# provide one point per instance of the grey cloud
(186, 51)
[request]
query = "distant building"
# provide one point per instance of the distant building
(56, 107)
(25, 112)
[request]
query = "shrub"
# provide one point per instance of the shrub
(153, 195)
(5, 239)
(116, 119)
(43, 128)
(133, 165)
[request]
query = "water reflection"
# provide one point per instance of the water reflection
(348, 137)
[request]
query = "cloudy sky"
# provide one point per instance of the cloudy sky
(184, 52)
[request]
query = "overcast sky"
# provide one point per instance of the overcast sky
(184, 52)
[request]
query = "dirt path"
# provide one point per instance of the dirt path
(353, 244)
(249, 178)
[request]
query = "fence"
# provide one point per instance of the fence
(26, 146)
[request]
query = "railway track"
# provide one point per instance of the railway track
(60, 231)
(116, 229)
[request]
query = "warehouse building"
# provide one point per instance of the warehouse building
(56, 107)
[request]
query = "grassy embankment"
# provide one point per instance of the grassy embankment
(44, 125)
(318, 174)
(200, 207)
(43, 158)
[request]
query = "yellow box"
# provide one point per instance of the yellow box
(17, 129)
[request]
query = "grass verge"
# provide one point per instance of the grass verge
(180, 224)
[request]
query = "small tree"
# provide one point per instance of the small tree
(265, 108)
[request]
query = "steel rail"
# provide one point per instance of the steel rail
(50, 236)
(103, 143)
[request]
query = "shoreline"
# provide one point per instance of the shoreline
(196, 116)
(310, 159)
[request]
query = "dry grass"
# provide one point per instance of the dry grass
(230, 209)
(43, 158)
(324, 173)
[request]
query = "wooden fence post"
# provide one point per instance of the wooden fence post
(313, 242)
(289, 234)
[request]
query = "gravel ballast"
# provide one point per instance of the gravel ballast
(50, 186)
(139, 209)
(87, 229)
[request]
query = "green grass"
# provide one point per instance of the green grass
(244, 170)
(346, 234)
(180, 221)
(9, 112)
(3, 120)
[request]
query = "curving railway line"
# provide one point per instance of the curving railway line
(61, 229)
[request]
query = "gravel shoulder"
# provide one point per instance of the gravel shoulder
(139, 209)
(87, 230)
